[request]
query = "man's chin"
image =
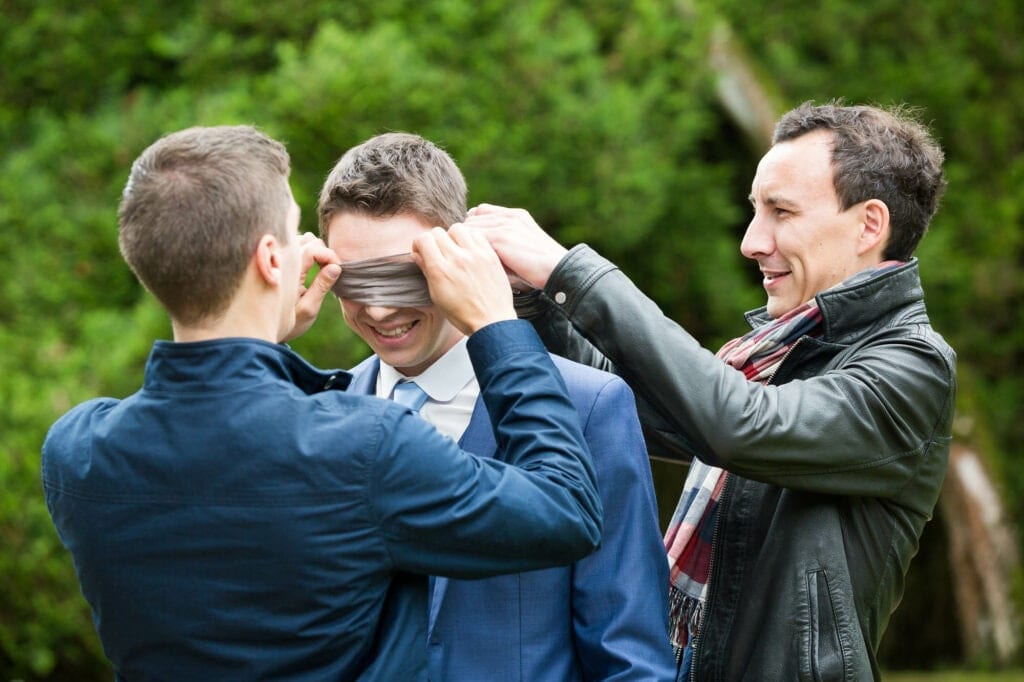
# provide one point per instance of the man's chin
(397, 360)
(777, 308)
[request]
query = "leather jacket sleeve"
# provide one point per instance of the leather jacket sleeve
(858, 427)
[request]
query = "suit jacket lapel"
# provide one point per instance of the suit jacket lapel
(364, 376)
(478, 438)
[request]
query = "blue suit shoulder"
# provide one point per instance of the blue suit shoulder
(583, 379)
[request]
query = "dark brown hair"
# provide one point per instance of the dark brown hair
(881, 154)
(196, 203)
(391, 174)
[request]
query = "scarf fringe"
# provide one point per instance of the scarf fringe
(684, 612)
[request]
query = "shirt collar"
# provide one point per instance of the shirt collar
(442, 381)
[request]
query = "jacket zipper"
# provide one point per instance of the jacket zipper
(784, 358)
(714, 533)
(726, 490)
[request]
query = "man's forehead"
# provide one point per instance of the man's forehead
(792, 168)
(374, 235)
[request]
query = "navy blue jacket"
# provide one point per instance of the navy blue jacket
(237, 520)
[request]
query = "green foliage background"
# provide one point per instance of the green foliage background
(597, 115)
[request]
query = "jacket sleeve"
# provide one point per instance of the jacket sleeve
(561, 337)
(443, 511)
(858, 430)
(620, 592)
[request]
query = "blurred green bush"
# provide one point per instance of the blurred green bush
(600, 117)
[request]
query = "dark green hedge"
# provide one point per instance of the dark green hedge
(598, 116)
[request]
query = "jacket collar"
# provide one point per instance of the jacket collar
(223, 363)
(849, 310)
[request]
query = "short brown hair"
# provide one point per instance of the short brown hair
(196, 203)
(878, 153)
(391, 174)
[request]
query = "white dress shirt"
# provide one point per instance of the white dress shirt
(450, 384)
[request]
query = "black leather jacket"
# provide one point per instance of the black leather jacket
(836, 463)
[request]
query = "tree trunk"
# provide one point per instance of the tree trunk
(749, 99)
(983, 555)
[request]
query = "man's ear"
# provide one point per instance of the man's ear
(875, 232)
(267, 260)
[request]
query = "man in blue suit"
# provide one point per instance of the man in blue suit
(602, 618)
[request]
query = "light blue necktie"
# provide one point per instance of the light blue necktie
(409, 393)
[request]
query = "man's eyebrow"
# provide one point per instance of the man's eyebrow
(775, 200)
(770, 200)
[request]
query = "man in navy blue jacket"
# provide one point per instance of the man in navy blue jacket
(240, 517)
(604, 617)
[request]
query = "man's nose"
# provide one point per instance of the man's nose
(757, 240)
(379, 312)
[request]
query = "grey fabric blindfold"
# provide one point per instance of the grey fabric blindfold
(391, 281)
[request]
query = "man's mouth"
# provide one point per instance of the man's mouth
(394, 332)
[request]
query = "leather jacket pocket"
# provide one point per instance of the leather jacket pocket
(822, 656)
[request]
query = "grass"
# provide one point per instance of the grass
(954, 676)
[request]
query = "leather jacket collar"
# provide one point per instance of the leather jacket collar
(848, 311)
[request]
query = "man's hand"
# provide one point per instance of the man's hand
(465, 277)
(307, 307)
(527, 251)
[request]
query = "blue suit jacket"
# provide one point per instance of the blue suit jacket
(602, 618)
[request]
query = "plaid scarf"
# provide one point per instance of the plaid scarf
(758, 355)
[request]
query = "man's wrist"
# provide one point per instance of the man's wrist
(477, 325)
(542, 274)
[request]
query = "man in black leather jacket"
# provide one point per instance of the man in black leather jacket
(821, 459)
